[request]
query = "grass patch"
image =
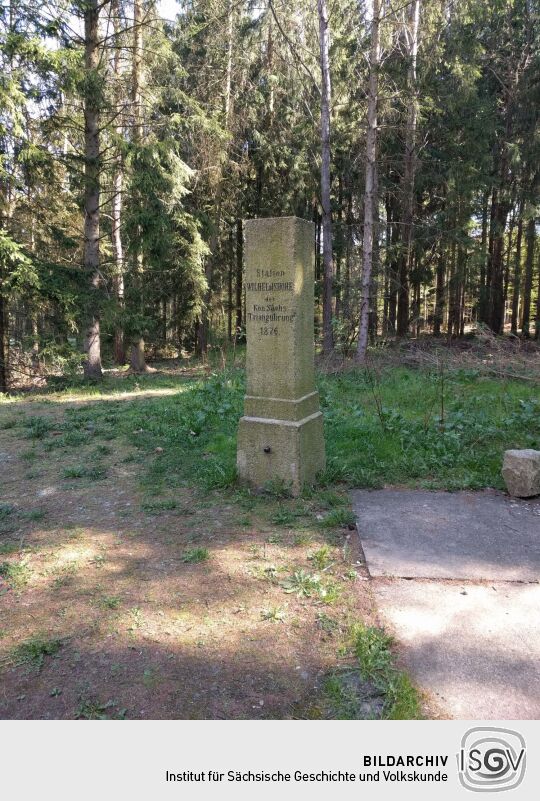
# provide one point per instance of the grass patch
(65, 574)
(282, 517)
(32, 652)
(329, 499)
(29, 455)
(91, 473)
(34, 515)
(16, 574)
(303, 538)
(195, 555)
(327, 624)
(110, 601)
(6, 510)
(268, 573)
(278, 488)
(37, 427)
(8, 518)
(338, 518)
(103, 450)
(10, 547)
(11, 518)
(273, 615)
(288, 515)
(372, 648)
(155, 507)
(372, 687)
(321, 558)
(91, 709)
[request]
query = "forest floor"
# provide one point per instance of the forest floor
(138, 580)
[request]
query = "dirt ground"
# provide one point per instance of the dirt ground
(105, 612)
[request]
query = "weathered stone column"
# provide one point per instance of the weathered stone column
(281, 433)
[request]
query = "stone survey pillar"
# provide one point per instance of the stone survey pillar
(280, 435)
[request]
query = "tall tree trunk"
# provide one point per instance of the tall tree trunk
(136, 70)
(324, 42)
(164, 323)
(318, 235)
(409, 171)
(375, 266)
(462, 299)
(137, 355)
(92, 340)
(3, 341)
(270, 69)
(461, 268)
(527, 288)
(496, 268)
(416, 310)
(371, 199)
(338, 242)
(452, 287)
(516, 281)
(177, 317)
(229, 64)
(386, 288)
(439, 295)
(116, 212)
(508, 257)
(346, 311)
(489, 264)
(203, 329)
(537, 315)
(35, 340)
(239, 275)
(392, 266)
(230, 285)
(483, 305)
(34, 326)
(202, 323)
(500, 208)
(386, 282)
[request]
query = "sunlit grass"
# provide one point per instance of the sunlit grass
(401, 426)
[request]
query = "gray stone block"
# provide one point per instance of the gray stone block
(521, 472)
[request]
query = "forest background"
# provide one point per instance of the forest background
(134, 140)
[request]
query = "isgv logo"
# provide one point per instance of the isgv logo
(491, 759)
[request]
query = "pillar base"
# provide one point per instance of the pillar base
(291, 451)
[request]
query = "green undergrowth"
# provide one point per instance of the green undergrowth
(400, 426)
(421, 428)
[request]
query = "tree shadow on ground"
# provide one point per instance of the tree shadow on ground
(112, 584)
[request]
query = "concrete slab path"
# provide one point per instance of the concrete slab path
(452, 535)
(456, 577)
(477, 654)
